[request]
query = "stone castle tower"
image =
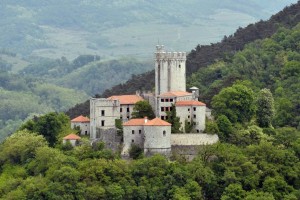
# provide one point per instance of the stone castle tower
(169, 71)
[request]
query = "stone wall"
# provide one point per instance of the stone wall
(110, 137)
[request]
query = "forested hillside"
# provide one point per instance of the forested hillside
(45, 85)
(254, 94)
(59, 28)
(204, 55)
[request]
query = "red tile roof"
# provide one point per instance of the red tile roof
(126, 99)
(72, 136)
(175, 94)
(81, 119)
(135, 122)
(141, 122)
(189, 103)
(157, 122)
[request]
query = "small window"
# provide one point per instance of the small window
(188, 116)
(140, 131)
(198, 131)
(189, 123)
(188, 109)
(194, 116)
(162, 100)
(194, 108)
(167, 100)
(102, 122)
(132, 131)
(162, 117)
(102, 112)
(85, 132)
(166, 108)
(121, 110)
(164, 133)
(166, 118)
(121, 117)
(127, 117)
(179, 66)
(132, 141)
(162, 109)
(171, 100)
(128, 109)
(170, 108)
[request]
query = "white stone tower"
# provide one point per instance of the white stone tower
(169, 71)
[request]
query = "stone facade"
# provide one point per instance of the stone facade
(103, 113)
(151, 135)
(83, 123)
(169, 71)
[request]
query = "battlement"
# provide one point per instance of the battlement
(170, 55)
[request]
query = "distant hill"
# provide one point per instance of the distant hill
(59, 28)
(204, 55)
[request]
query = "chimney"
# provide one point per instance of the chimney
(146, 119)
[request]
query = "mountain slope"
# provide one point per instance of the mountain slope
(112, 28)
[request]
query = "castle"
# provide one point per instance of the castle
(154, 136)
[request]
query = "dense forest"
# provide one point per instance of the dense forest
(254, 95)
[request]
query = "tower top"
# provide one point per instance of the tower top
(160, 48)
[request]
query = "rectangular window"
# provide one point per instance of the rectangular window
(188, 109)
(167, 100)
(188, 116)
(162, 109)
(170, 108)
(102, 112)
(121, 110)
(140, 131)
(102, 123)
(162, 100)
(128, 109)
(166, 108)
(162, 117)
(171, 100)
(194, 108)
(132, 131)
(194, 116)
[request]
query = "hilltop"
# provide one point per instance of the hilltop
(204, 55)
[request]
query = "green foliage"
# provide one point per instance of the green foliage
(142, 109)
(265, 108)
(49, 125)
(136, 152)
(235, 102)
(224, 126)
(188, 126)
(174, 120)
(211, 127)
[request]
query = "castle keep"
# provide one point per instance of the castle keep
(154, 136)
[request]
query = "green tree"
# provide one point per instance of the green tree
(174, 120)
(265, 108)
(224, 126)
(235, 102)
(49, 125)
(136, 152)
(234, 192)
(142, 109)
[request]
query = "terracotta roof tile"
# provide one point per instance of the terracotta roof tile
(127, 99)
(157, 122)
(135, 122)
(141, 122)
(175, 94)
(81, 119)
(72, 136)
(189, 103)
